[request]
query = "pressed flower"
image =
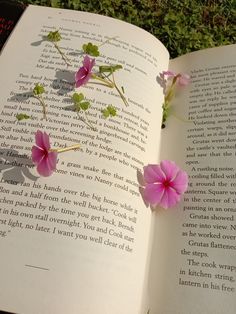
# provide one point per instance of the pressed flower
(83, 75)
(174, 79)
(168, 74)
(181, 79)
(42, 157)
(164, 184)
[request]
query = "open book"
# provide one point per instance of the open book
(82, 240)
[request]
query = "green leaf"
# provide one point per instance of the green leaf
(109, 68)
(105, 113)
(91, 49)
(109, 111)
(77, 107)
(38, 89)
(54, 36)
(77, 98)
(84, 105)
(22, 116)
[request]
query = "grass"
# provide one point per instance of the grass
(182, 25)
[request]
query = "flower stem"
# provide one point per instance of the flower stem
(86, 121)
(40, 99)
(111, 84)
(67, 61)
(65, 149)
(107, 41)
(104, 81)
(119, 92)
(170, 92)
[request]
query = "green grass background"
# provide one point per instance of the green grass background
(182, 25)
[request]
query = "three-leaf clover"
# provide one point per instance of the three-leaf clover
(79, 103)
(91, 49)
(38, 89)
(54, 36)
(110, 111)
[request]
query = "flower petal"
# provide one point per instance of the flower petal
(39, 139)
(153, 193)
(42, 140)
(52, 160)
(44, 168)
(170, 198)
(37, 154)
(170, 169)
(168, 74)
(81, 73)
(92, 63)
(141, 191)
(46, 142)
(88, 63)
(153, 173)
(87, 78)
(184, 79)
(180, 183)
(82, 77)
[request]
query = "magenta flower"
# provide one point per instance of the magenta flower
(181, 78)
(164, 184)
(42, 157)
(83, 75)
(168, 74)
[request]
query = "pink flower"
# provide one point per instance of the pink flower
(83, 75)
(164, 184)
(168, 74)
(42, 156)
(182, 78)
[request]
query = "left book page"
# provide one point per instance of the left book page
(78, 241)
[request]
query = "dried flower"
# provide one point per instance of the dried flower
(181, 79)
(164, 184)
(83, 75)
(42, 156)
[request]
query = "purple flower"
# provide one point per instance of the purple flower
(83, 75)
(42, 157)
(181, 78)
(164, 184)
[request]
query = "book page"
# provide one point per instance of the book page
(196, 271)
(77, 241)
